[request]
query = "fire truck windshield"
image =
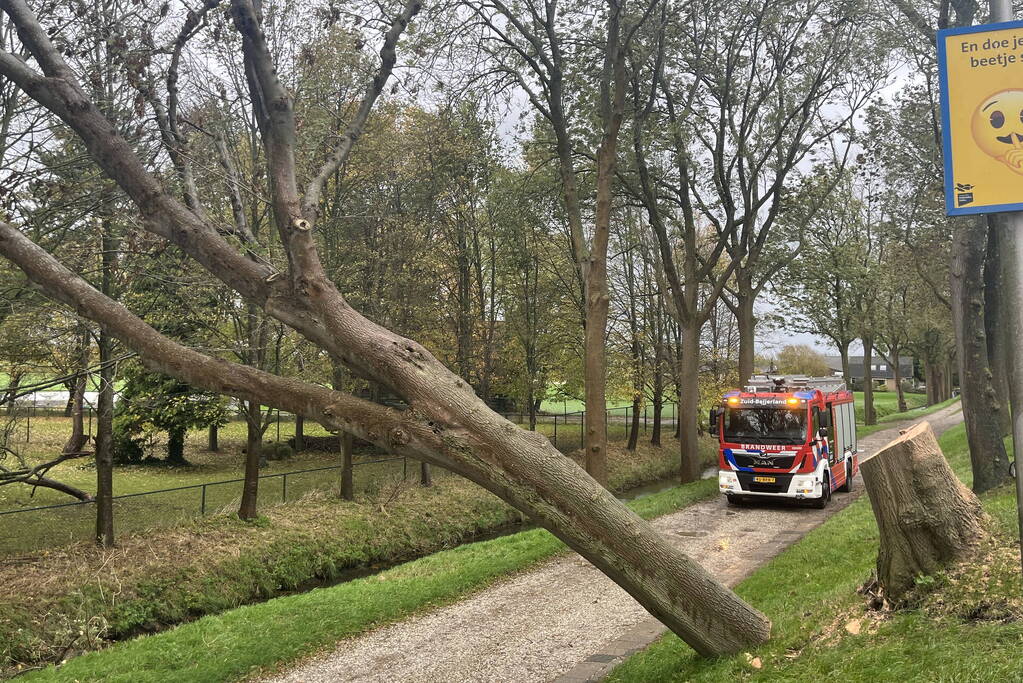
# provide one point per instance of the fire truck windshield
(765, 425)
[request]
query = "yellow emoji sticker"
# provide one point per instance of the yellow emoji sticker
(998, 128)
(981, 70)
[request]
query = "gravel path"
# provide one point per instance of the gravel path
(565, 619)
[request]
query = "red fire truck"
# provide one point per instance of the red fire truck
(786, 437)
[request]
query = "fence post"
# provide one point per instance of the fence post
(202, 505)
(404, 469)
(284, 478)
(278, 425)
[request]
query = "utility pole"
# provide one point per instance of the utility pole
(1010, 225)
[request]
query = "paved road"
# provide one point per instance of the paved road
(566, 621)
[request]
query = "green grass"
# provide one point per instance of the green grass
(809, 592)
(240, 642)
(885, 421)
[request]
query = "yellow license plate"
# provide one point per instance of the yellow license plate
(764, 480)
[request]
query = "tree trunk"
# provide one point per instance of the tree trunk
(897, 376)
(926, 517)
(176, 447)
(213, 438)
(253, 455)
(869, 415)
(595, 439)
(425, 477)
(843, 351)
(689, 402)
(655, 430)
(532, 406)
(997, 323)
(104, 445)
(981, 407)
(634, 426)
(747, 324)
(458, 432)
(299, 433)
(347, 478)
(930, 381)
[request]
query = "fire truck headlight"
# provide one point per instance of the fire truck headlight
(806, 484)
(727, 481)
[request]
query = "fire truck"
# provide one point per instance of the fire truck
(786, 437)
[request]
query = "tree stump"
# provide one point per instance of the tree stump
(926, 516)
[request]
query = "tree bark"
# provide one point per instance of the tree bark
(595, 373)
(213, 438)
(425, 476)
(930, 380)
(347, 478)
(897, 376)
(689, 403)
(634, 424)
(926, 517)
(843, 351)
(747, 324)
(299, 433)
(869, 415)
(981, 407)
(104, 445)
(253, 460)
(997, 323)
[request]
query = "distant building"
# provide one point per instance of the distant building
(881, 369)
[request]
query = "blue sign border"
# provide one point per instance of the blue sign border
(946, 116)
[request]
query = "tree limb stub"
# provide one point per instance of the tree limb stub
(925, 515)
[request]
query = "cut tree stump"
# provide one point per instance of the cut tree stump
(926, 516)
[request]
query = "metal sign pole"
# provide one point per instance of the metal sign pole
(1011, 238)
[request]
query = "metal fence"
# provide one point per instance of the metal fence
(45, 526)
(567, 430)
(33, 528)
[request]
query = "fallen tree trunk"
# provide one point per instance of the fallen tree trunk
(926, 516)
(446, 424)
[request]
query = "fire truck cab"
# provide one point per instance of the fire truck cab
(786, 437)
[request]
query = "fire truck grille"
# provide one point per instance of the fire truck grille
(779, 485)
(781, 462)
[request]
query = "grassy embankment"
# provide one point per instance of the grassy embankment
(238, 642)
(78, 597)
(964, 624)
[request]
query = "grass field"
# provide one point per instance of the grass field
(965, 624)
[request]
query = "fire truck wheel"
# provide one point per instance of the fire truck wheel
(734, 499)
(822, 502)
(848, 485)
